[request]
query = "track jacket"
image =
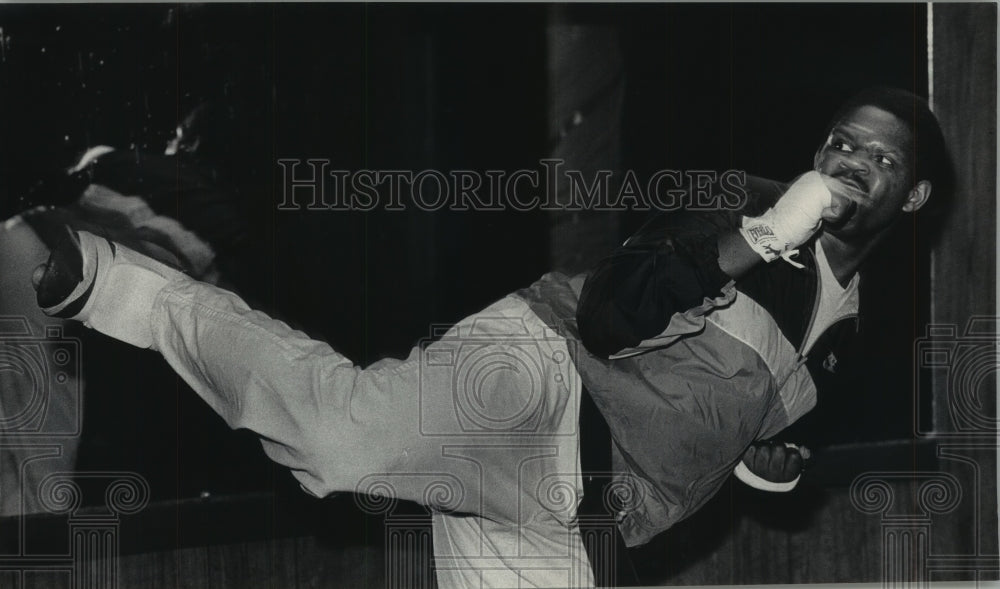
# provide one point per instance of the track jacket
(687, 367)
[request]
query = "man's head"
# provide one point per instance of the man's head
(886, 143)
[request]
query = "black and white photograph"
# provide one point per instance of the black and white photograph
(483, 295)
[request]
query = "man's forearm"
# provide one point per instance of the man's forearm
(736, 258)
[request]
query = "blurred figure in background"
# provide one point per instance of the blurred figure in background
(178, 208)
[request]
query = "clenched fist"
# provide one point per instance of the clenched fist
(772, 466)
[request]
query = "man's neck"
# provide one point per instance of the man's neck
(845, 257)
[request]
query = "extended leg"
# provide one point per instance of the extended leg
(471, 552)
(486, 411)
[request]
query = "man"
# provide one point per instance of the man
(763, 331)
(695, 351)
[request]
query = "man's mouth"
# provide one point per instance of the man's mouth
(845, 217)
(854, 182)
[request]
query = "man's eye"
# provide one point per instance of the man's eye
(884, 161)
(841, 145)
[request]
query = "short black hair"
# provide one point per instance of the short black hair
(932, 161)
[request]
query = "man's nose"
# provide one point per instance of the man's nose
(855, 162)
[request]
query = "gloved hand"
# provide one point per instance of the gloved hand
(772, 466)
(106, 285)
(810, 200)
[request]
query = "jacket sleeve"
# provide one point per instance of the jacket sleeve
(658, 286)
(631, 298)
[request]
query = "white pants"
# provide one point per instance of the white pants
(480, 425)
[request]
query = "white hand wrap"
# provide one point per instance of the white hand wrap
(791, 221)
(748, 477)
(757, 482)
(119, 285)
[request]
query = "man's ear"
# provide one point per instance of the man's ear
(918, 196)
(816, 158)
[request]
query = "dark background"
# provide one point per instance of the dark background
(446, 87)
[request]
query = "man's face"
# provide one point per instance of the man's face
(870, 151)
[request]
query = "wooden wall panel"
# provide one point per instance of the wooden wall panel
(964, 263)
(964, 99)
(818, 537)
(287, 563)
